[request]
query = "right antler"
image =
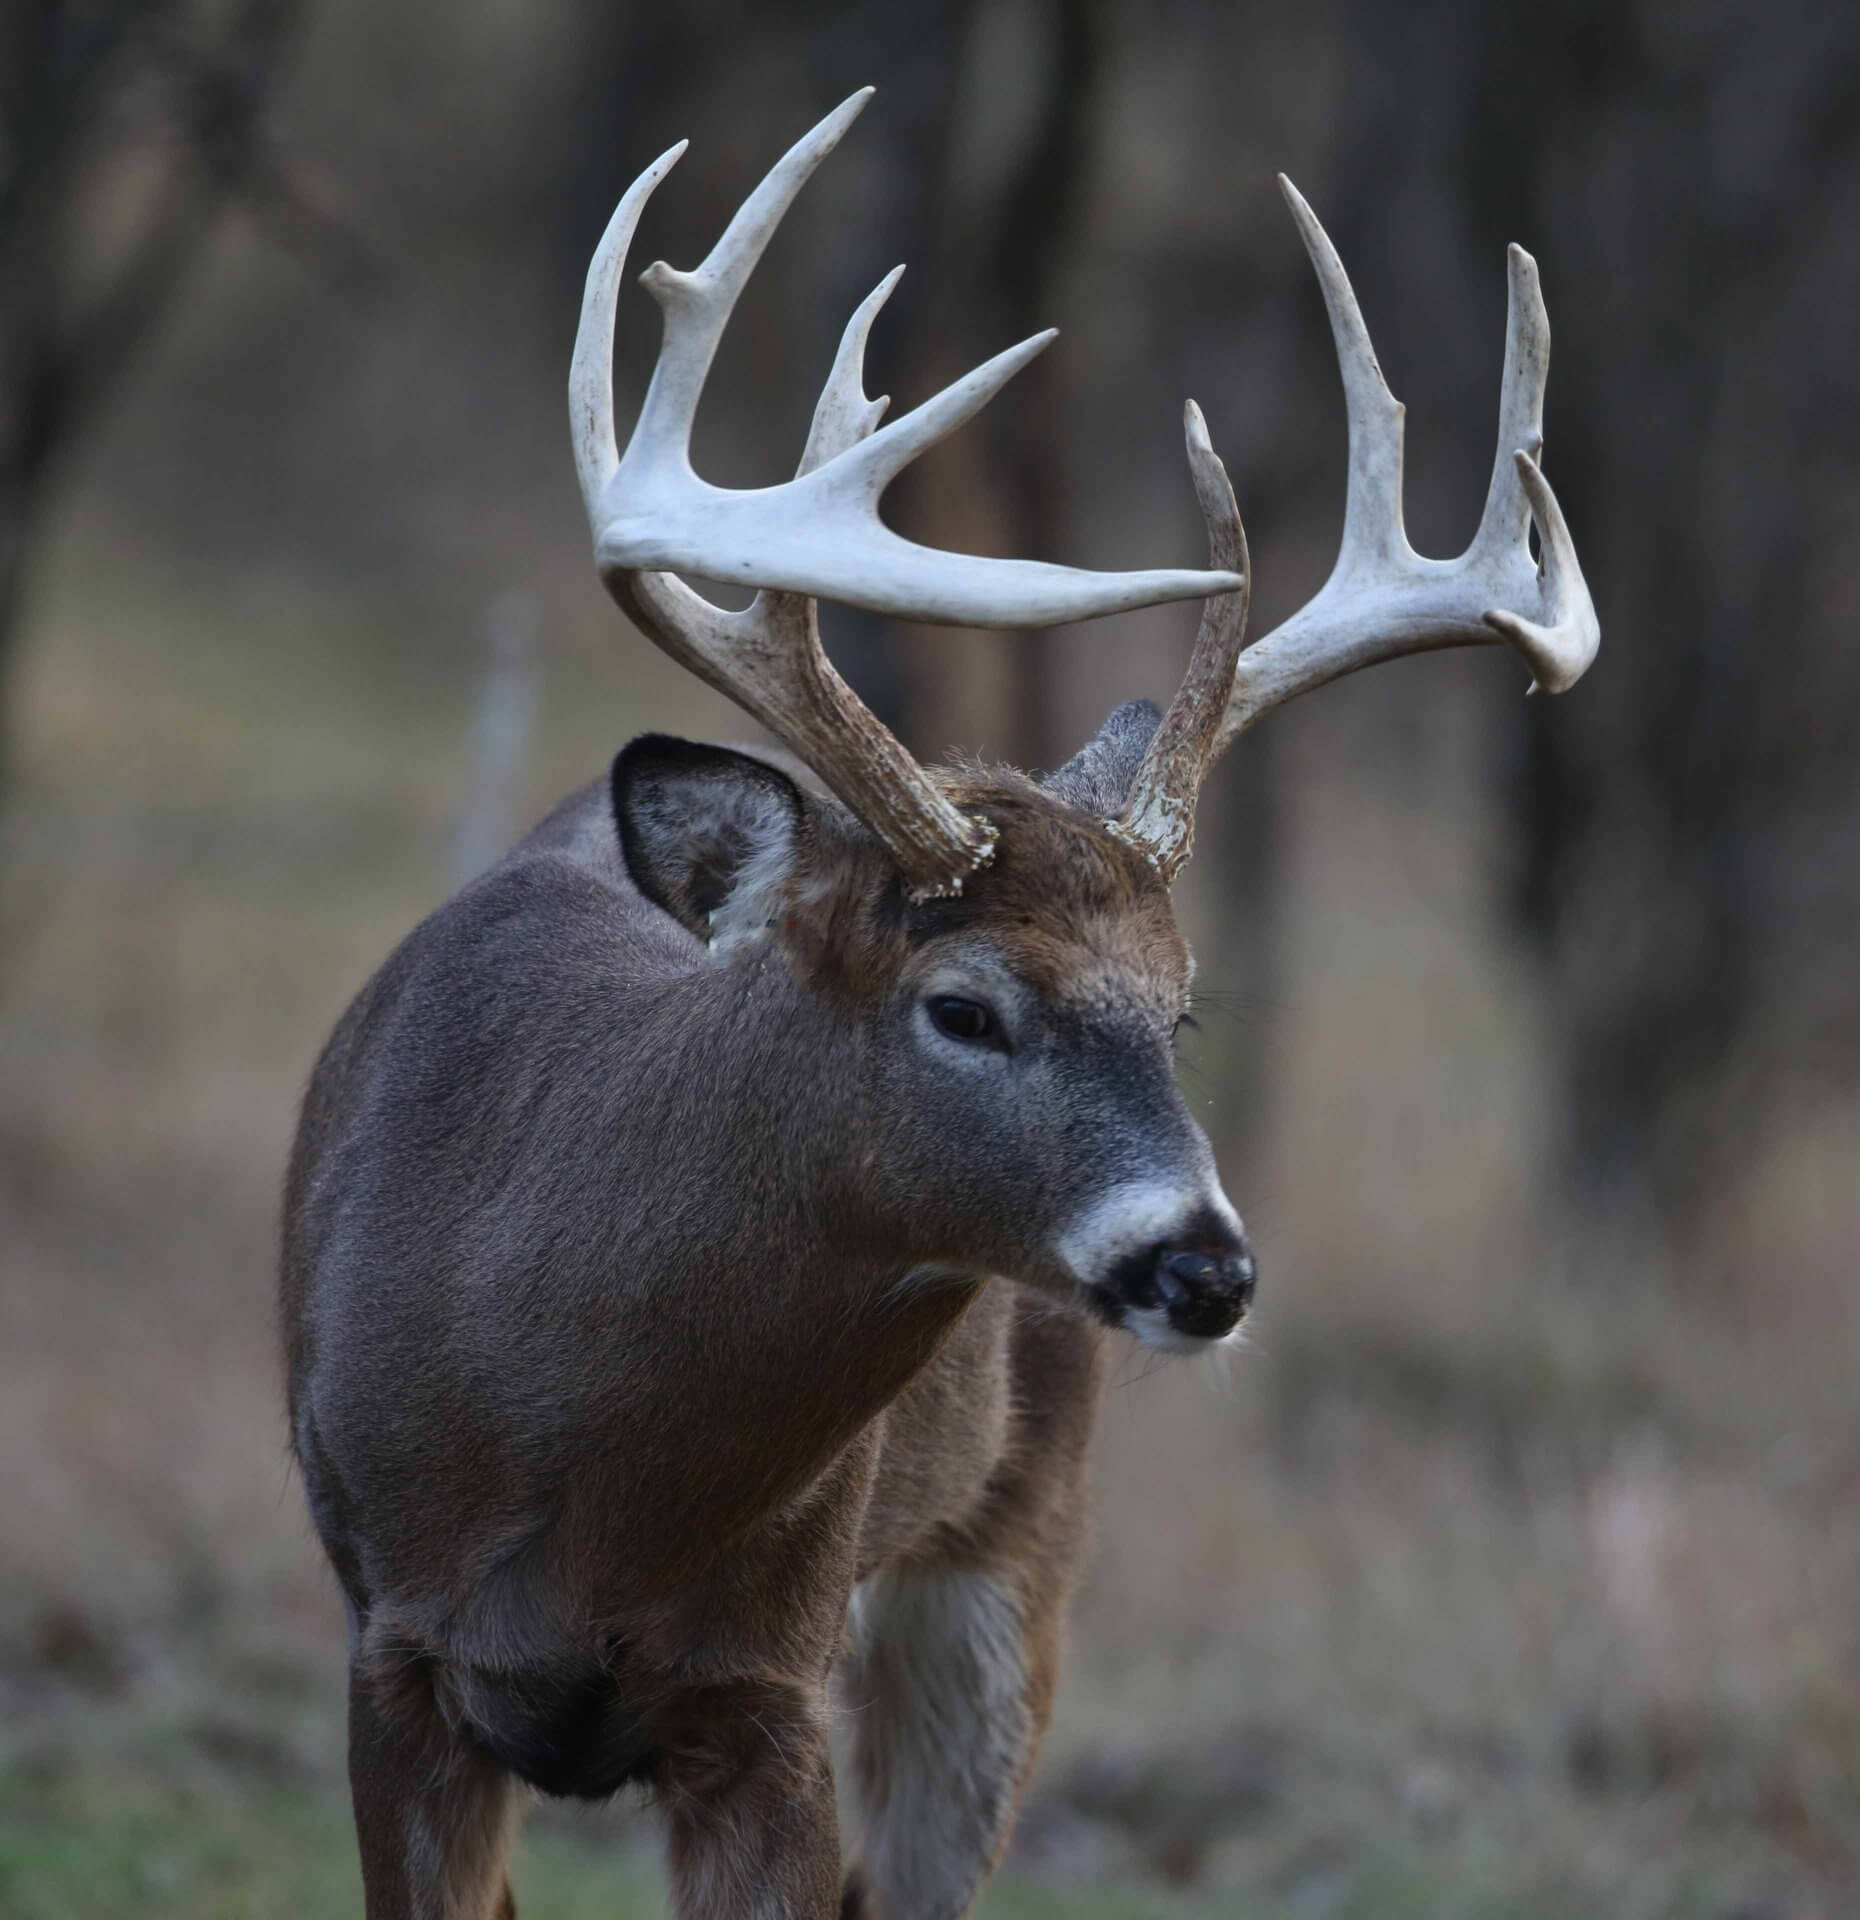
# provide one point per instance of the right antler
(818, 535)
(1382, 598)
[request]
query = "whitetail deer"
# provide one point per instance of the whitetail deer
(704, 1233)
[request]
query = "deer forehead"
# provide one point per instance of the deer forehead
(1077, 918)
(1106, 966)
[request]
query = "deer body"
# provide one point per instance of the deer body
(704, 1233)
(616, 1374)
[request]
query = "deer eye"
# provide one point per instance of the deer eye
(959, 1019)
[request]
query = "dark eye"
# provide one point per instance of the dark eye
(961, 1019)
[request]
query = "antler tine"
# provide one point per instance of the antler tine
(1159, 814)
(1372, 515)
(1520, 405)
(1382, 598)
(591, 370)
(1560, 648)
(843, 416)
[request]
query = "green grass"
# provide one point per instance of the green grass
(98, 1845)
(99, 1849)
(94, 1845)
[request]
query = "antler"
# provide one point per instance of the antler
(1382, 598)
(1159, 814)
(817, 535)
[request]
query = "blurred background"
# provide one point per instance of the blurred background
(1515, 1569)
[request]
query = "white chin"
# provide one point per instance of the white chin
(1151, 1326)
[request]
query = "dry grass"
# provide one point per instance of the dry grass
(1513, 1570)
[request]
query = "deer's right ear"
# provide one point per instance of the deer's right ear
(709, 835)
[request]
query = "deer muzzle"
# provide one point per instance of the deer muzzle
(1177, 1277)
(1204, 1296)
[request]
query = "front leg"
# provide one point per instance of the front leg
(948, 1686)
(747, 1784)
(434, 1812)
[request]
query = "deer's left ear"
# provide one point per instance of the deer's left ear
(1097, 778)
(709, 835)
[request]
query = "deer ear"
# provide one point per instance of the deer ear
(1097, 778)
(709, 835)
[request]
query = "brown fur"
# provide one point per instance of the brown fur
(638, 1310)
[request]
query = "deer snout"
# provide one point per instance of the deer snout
(1183, 1295)
(1189, 1279)
(1205, 1295)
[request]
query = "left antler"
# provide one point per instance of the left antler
(1382, 598)
(815, 536)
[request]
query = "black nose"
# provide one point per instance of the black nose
(1205, 1294)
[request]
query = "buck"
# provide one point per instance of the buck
(705, 1234)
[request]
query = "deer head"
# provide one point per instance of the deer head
(992, 963)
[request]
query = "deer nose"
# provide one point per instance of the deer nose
(1205, 1294)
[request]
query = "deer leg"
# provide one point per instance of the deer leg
(947, 1688)
(434, 1812)
(747, 1782)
